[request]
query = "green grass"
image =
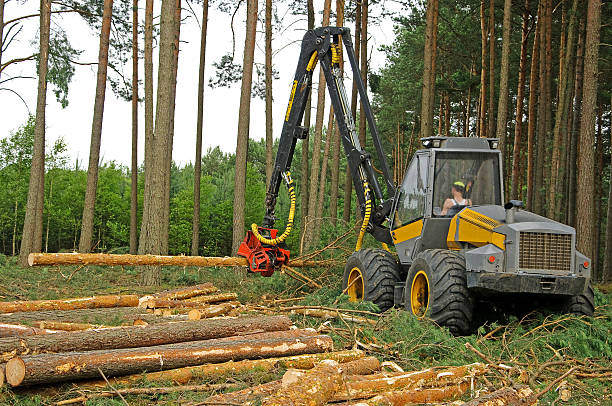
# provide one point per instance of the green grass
(524, 342)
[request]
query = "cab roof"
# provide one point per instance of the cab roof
(460, 143)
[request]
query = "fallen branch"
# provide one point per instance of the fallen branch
(300, 277)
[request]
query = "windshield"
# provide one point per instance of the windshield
(465, 179)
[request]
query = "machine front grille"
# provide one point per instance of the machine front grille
(544, 251)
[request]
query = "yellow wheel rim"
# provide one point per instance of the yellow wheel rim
(355, 285)
(419, 294)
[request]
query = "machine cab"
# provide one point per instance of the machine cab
(450, 174)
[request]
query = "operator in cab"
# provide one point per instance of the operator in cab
(457, 199)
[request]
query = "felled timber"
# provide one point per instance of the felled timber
(245, 396)
(364, 387)
(107, 315)
(517, 395)
(127, 259)
(140, 336)
(214, 310)
(188, 292)
(144, 319)
(70, 304)
(216, 371)
(2, 377)
(66, 325)
(51, 368)
(193, 302)
(315, 388)
(17, 330)
(328, 314)
(415, 396)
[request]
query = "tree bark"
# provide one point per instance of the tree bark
(364, 70)
(541, 122)
(156, 260)
(585, 216)
(70, 304)
(335, 170)
(148, 87)
(268, 80)
(316, 149)
(482, 112)
(192, 302)
(195, 232)
(348, 181)
(50, 368)
(244, 115)
(492, 39)
(323, 181)
(99, 315)
(186, 293)
(60, 326)
(152, 228)
(520, 98)
(141, 336)
(428, 86)
(17, 330)
(563, 106)
(37, 171)
(607, 269)
(89, 205)
(213, 310)
(505, 397)
(134, 178)
(502, 104)
(418, 395)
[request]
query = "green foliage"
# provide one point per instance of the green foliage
(61, 69)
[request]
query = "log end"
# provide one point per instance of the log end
(15, 371)
(139, 322)
(194, 315)
(31, 259)
(2, 380)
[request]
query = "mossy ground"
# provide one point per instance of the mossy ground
(525, 341)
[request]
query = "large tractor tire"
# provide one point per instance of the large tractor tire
(436, 289)
(583, 304)
(370, 275)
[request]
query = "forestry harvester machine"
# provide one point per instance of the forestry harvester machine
(455, 241)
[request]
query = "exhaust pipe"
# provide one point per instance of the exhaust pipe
(511, 208)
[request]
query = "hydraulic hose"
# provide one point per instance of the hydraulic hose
(285, 234)
(366, 215)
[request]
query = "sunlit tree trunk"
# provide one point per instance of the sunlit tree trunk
(195, 230)
(134, 174)
(335, 169)
(427, 99)
(268, 79)
(37, 171)
(502, 104)
(585, 216)
(492, 40)
(148, 88)
(482, 111)
(541, 121)
(244, 115)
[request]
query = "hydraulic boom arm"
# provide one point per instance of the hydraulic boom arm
(323, 45)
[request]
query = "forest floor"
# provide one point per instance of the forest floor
(538, 346)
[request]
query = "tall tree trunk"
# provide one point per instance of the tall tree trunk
(151, 232)
(38, 156)
(483, 73)
(548, 101)
(244, 115)
(563, 106)
(541, 122)
(316, 148)
(96, 132)
(195, 231)
(428, 59)
(305, 154)
(15, 217)
(607, 269)
(148, 72)
(348, 181)
(571, 209)
(597, 194)
(134, 191)
(520, 98)
(324, 163)
(584, 217)
(49, 214)
(269, 140)
(335, 169)
(491, 114)
(434, 50)
(468, 106)
(502, 104)
(364, 68)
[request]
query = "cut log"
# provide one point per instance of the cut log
(364, 387)
(415, 396)
(127, 259)
(17, 330)
(363, 366)
(315, 388)
(70, 304)
(245, 396)
(140, 336)
(2, 377)
(217, 371)
(145, 319)
(51, 368)
(186, 293)
(328, 314)
(67, 326)
(214, 310)
(518, 395)
(197, 301)
(105, 316)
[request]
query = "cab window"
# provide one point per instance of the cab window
(411, 201)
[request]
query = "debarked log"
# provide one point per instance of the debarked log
(363, 387)
(213, 310)
(127, 259)
(70, 304)
(17, 330)
(140, 336)
(187, 292)
(51, 368)
(415, 396)
(216, 371)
